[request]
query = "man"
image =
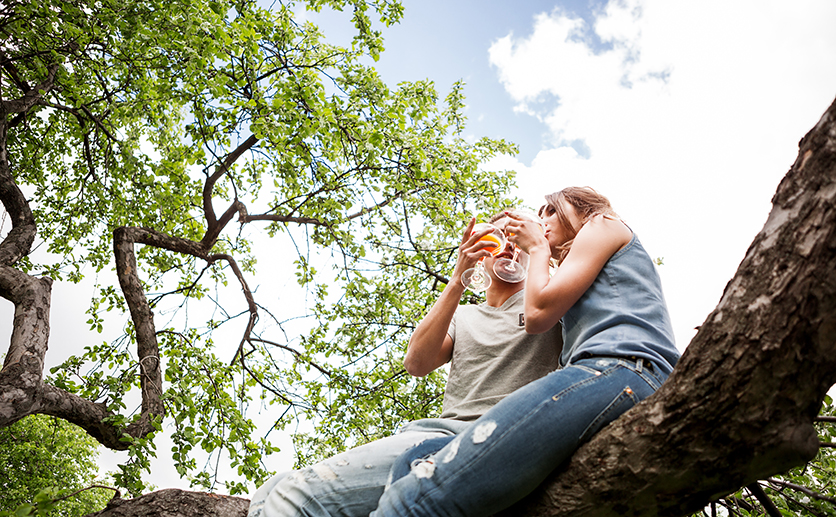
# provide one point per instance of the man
(491, 355)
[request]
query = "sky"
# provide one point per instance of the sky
(685, 113)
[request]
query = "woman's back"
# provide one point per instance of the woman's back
(623, 313)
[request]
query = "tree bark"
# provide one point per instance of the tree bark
(741, 402)
(176, 503)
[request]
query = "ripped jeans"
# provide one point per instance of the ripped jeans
(348, 484)
(510, 450)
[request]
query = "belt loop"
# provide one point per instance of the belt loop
(639, 364)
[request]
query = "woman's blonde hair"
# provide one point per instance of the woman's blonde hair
(587, 204)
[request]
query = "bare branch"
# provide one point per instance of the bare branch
(803, 490)
(296, 353)
(213, 227)
(248, 295)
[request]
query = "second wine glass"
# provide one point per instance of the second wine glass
(476, 278)
(514, 270)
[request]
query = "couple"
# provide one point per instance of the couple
(482, 455)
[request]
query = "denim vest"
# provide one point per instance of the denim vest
(623, 314)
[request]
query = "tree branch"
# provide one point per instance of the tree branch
(31, 96)
(766, 502)
(176, 502)
(213, 226)
(248, 295)
(803, 490)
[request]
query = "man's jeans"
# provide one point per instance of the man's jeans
(348, 484)
(510, 450)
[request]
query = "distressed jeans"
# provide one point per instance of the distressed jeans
(510, 450)
(348, 484)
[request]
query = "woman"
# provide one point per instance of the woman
(618, 349)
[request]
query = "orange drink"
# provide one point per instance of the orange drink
(496, 246)
(476, 278)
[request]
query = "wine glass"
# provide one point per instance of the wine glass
(476, 278)
(514, 270)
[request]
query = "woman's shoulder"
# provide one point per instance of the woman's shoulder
(607, 230)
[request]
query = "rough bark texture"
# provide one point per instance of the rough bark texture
(176, 503)
(740, 404)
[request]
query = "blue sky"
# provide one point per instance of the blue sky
(449, 41)
(685, 113)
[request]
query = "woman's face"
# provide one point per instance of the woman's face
(556, 233)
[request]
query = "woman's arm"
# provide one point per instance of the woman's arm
(548, 298)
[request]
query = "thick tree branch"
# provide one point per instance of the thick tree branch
(31, 96)
(768, 506)
(21, 385)
(176, 502)
(18, 242)
(142, 316)
(741, 402)
(146, 337)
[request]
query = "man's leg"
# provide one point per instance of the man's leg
(507, 452)
(348, 484)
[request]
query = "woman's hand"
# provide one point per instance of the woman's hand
(525, 233)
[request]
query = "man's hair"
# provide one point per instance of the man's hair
(502, 214)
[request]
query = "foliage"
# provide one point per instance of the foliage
(157, 114)
(806, 491)
(43, 459)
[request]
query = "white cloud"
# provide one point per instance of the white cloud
(692, 112)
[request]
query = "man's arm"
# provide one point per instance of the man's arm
(430, 346)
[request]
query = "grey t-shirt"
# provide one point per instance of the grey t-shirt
(493, 356)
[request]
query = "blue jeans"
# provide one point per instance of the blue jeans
(510, 450)
(348, 484)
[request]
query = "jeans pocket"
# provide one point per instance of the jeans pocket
(625, 400)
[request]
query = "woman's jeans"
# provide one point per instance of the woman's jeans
(348, 484)
(510, 450)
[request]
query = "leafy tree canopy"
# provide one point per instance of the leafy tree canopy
(42, 453)
(194, 129)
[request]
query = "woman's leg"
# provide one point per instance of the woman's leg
(516, 444)
(403, 465)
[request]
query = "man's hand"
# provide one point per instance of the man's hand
(471, 250)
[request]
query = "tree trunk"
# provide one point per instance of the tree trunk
(741, 402)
